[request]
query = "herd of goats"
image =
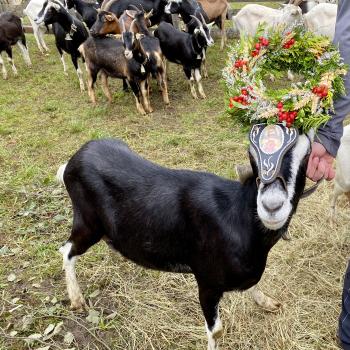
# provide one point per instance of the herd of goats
(114, 39)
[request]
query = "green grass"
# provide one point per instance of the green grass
(44, 119)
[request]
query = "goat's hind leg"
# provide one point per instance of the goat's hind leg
(198, 78)
(105, 87)
(81, 239)
(263, 300)
(22, 44)
(209, 300)
(79, 72)
(3, 68)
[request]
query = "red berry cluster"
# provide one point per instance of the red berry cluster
(240, 63)
(285, 116)
(262, 42)
(242, 99)
(321, 91)
(289, 43)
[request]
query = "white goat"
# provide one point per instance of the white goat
(251, 15)
(321, 19)
(32, 10)
(342, 178)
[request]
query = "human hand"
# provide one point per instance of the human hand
(320, 165)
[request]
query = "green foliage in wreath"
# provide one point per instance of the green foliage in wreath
(253, 96)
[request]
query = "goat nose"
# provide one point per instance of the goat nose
(272, 206)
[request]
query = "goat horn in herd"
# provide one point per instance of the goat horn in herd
(199, 22)
(149, 14)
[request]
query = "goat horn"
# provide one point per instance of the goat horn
(243, 171)
(130, 14)
(136, 8)
(149, 14)
(123, 25)
(198, 21)
(203, 20)
(131, 28)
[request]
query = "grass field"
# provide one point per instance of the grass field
(44, 119)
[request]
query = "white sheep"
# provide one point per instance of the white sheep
(321, 19)
(250, 16)
(342, 178)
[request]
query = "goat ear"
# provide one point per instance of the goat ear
(149, 14)
(243, 171)
(109, 18)
(139, 36)
(209, 25)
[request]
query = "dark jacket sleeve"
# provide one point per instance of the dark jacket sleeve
(330, 134)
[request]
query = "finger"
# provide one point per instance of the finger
(320, 171)
(312, 166)
(331, 174)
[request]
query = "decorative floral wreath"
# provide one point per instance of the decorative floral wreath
(254, 98)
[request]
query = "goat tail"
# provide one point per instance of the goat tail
(60, 173)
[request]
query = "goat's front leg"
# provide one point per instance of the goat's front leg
(145, 95)
(198, 77)
(10, 59)
(79, 72)
(209, 300)
(223, 31)
(263, 300)
(3, 68)
(137, 93)
(190, 76)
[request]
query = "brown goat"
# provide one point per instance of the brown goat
(108, 23)
(216, 11)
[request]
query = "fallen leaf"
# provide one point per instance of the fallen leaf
(13, 333)
(58, 328)
(25, 264)
(49, 329)
(94, 294)
(44, 348)
(93, 317)
(112, 315)
(36, 285)
(11, 277)
(15, 300)
(35, 336)
(68, 338)
(54, 300)
(27, 320)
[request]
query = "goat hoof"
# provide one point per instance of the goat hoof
(203, 96)
(270, 305)
(78, 305)
(65, 73)
(286, 236)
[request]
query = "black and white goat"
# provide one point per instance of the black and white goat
(148, 52)
(69, 33)
(87, 11)
(188, 9)
(180, 220)
(107, 55)
(186, 49)
(12, 33)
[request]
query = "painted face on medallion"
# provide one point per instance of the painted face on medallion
(271, 139)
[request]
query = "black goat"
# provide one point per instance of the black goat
(12, 33)
(69, 32)
(88, 11)
(107, 55)
(185, 49)
(188, 9)
(156, 6)
(179, 220)
(149, 53)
